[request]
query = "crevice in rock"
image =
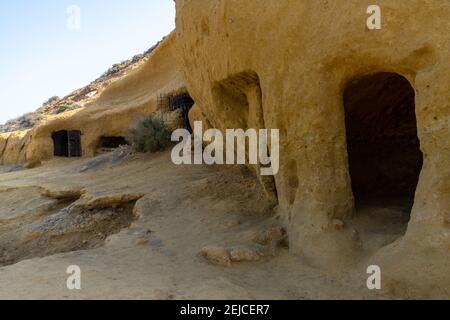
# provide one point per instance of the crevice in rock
(2, 151)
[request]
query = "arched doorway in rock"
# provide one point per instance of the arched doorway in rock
(67, 143)
(383, 147)
(239, 102)
(184, 103)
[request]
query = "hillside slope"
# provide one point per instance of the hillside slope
(78, 98)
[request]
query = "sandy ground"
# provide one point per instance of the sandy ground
(180, 210)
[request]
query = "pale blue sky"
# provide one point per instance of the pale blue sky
(40, 56)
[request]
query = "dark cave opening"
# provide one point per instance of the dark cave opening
(67, 143)
(384, 153)
(183, 102)
(112, 142)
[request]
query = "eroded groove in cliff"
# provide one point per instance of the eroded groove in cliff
(240, 101)
(2, 151)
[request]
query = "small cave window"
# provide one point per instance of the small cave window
(67, 143)
(383, 147)
(112, 142)
(231, 97)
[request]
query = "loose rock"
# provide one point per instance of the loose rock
(240, 254)
(216, 255)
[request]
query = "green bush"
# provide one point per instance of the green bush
(149, 135)
(63, 109)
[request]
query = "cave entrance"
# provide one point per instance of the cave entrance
(112, 142)
(384, 153)
(184, 103)
(67, 143)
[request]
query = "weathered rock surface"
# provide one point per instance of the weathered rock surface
(217, 255)
(244, 253)
(286, 65)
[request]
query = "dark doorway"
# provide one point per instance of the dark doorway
(67, 143)
(183, 102)
(112, 142)
(383, 147)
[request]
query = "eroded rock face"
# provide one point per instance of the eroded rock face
(216, 255)
(287, 65)
(13, 147)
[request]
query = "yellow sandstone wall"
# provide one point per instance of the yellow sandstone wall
(301, 55)
(13, 147)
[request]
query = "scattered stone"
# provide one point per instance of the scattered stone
(242, 253)
(266, 237)
(273, 238)
(217, 255)
(263, 251)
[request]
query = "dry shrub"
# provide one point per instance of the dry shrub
(149, 135)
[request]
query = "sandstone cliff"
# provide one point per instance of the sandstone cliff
(292, 61)
(363, 116)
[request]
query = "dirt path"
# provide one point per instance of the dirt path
(178, 211)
